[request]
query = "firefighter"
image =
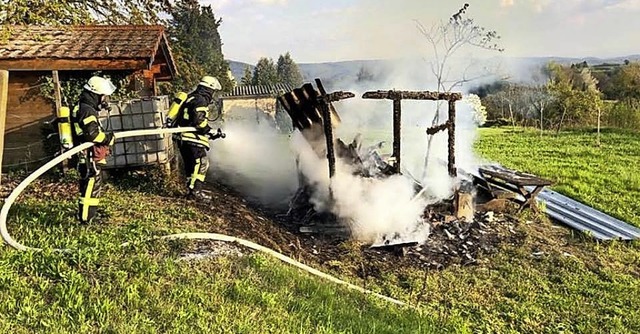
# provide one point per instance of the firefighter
(194, 145)
(86, 128)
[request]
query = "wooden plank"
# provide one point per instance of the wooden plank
(4, 92)
(58, 97)
(73, 64)
(411, 95)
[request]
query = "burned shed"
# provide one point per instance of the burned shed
(35, 55)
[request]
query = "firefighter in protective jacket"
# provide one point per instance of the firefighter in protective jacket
(194, 145)
(86, 128)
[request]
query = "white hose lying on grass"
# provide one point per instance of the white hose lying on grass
(4, 213)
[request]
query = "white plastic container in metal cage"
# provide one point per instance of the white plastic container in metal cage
(138, 114)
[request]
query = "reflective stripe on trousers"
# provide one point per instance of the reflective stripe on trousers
(90, 187)
(199, 172)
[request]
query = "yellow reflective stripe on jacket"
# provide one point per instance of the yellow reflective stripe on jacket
(205, 109)
(79, 131)
(194, 138)
(89, 119)
(100, 137)
(203, 123)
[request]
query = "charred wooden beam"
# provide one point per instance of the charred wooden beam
(340, 95)
(452, 139)
(328, 127)
(398, 96)
(433, 130)
(397, 124)
(412, 95)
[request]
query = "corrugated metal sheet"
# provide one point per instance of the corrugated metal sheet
(585, 218)
(82, 42)
(259, 91)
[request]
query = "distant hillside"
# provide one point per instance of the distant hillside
(335, 73)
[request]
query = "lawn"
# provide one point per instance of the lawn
(606, 177)
(551, 281)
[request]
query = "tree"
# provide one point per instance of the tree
(69, 12)
(593, 94)
(247, 76)
(288, 71)
(447, 38)
(197, 44)
(365, 75)
(265, 72)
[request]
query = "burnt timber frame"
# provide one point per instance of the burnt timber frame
(515, 181)
(397, 97)
(307, 106)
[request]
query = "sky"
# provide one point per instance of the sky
(336, 30)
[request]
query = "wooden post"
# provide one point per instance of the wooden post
(4, 92)
(58, 97)
(451, 166)
(56, 90)
(397, 123)
(328, 128)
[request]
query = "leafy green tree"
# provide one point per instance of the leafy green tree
(247, 76)
(288, 71)
(265, 72)
(592, 94)
(67, 12)
(197, 44)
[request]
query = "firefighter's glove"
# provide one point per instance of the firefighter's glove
(204, 131)
(110, 139)
(106, 106)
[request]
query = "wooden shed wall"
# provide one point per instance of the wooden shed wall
(27, 110)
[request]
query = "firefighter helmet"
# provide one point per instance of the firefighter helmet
(210, 82)
(100, 86)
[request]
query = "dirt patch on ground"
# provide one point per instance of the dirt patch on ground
(450, 243)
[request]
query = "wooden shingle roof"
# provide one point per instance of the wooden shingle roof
(85, 48)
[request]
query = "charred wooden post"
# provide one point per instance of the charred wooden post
(328, 127)
(398, 96)
(397, 123)
(452, 139)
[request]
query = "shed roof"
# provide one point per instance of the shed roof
(95, 47)
(245, 91)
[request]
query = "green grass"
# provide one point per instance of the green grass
(606, 177)
(573, 285)
(102, 287)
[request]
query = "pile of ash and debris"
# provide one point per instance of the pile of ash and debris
(458, 231)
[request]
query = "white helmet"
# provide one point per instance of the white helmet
(100, 86)
(210, 82)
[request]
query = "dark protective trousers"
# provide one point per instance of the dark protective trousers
(196, 165)
(90, 186)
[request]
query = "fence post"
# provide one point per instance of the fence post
(4, 90)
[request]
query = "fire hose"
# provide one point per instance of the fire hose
(201, 236)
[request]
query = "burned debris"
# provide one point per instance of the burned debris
(313, 114)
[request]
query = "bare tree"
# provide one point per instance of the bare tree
(447, 38)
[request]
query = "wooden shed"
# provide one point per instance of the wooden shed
(31, 53)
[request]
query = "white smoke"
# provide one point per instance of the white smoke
(255, 160)
(260, 162)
